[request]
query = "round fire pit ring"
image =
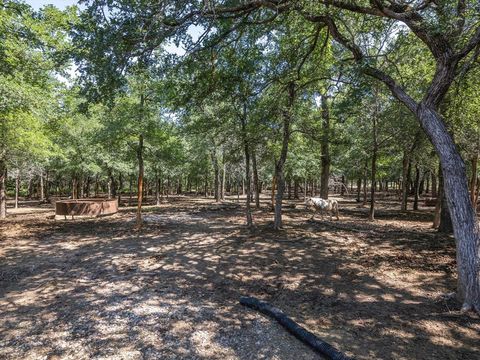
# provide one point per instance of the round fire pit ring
(86, 207)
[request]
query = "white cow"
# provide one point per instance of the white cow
(322, 205)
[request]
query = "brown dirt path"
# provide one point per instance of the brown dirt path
(95, 288)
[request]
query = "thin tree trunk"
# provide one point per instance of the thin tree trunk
(222, 192)
(246, 148)
(17, 189)
(279, 166)
(3, 194)
(295, 188)
(120, 186)
(47, 186)
(434, 185)
(74, 187)
(365, 183)
(216, 174)
(130, 190)
(305, 190)
(359, 188)
(157, 188)
(42, 189)
(140, 176)
(96, 185)
(326, 160)
(274, 189)
(417, 187)
(255, 180)
(371, 214)
(438, 204)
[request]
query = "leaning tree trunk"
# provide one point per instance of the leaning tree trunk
(465, 222)
(326, 159)
(3, 194)
(279, 165)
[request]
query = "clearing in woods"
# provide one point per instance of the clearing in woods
(95, 288)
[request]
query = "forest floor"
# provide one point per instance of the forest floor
(98, 289)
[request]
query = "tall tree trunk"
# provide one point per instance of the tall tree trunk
(255, 180)
(120, 187)
(279, 165)
(140, 177)
(289, 188)
(205, 184)
(365, 171)
(359, 188)
(80, 187)
(344, 186)
(141, 170)
(434, 185)
(130, 190)
(42, 188)
(157, 188)
(295, 188)
(87, 186)
(74, 187)
(113, 186)
(216, 174)
(417, 187)
(440, 196)
(326, 160)
(246, 148)
(274, 186)
(3, 192)
(222, 186)
(445, 226)
(427, 177)
(17, 189)
(371, 214)
(47, 186)
(305, 190)
(96, 186)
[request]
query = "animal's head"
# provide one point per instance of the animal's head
(308, 203)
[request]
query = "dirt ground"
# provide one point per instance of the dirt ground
(97, 289)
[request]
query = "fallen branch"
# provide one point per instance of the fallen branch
(299, 332)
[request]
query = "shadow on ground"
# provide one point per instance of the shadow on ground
(98, 289)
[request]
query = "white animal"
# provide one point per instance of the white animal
(322, 205)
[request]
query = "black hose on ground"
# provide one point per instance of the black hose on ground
(299, 332)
